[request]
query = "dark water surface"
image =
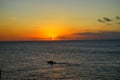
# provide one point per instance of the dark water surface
(79, 60)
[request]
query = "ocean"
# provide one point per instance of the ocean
(76, 60)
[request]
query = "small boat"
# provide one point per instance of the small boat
(51, 62)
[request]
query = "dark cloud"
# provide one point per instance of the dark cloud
(110, 32)
(117, 17)
(107, 19)
(100, 35)
(86, 33)
(97, 33)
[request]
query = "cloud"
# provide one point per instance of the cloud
(117, 17)
(60, 37)
(100, 35)
(100, 20)
(86, 33)
(97, 33)
(107, 19)
(110, 32)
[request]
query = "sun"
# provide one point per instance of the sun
(53, 36)
(53, 31)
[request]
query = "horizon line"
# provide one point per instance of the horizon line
(57, 40)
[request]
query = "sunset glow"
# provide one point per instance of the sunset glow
(59, 19)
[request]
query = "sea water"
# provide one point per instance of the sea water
(76, 60)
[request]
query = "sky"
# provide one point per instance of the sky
(59, 20)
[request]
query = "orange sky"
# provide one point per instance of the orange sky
(59, 19)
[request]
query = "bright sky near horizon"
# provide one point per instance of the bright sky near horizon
(59, 19)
